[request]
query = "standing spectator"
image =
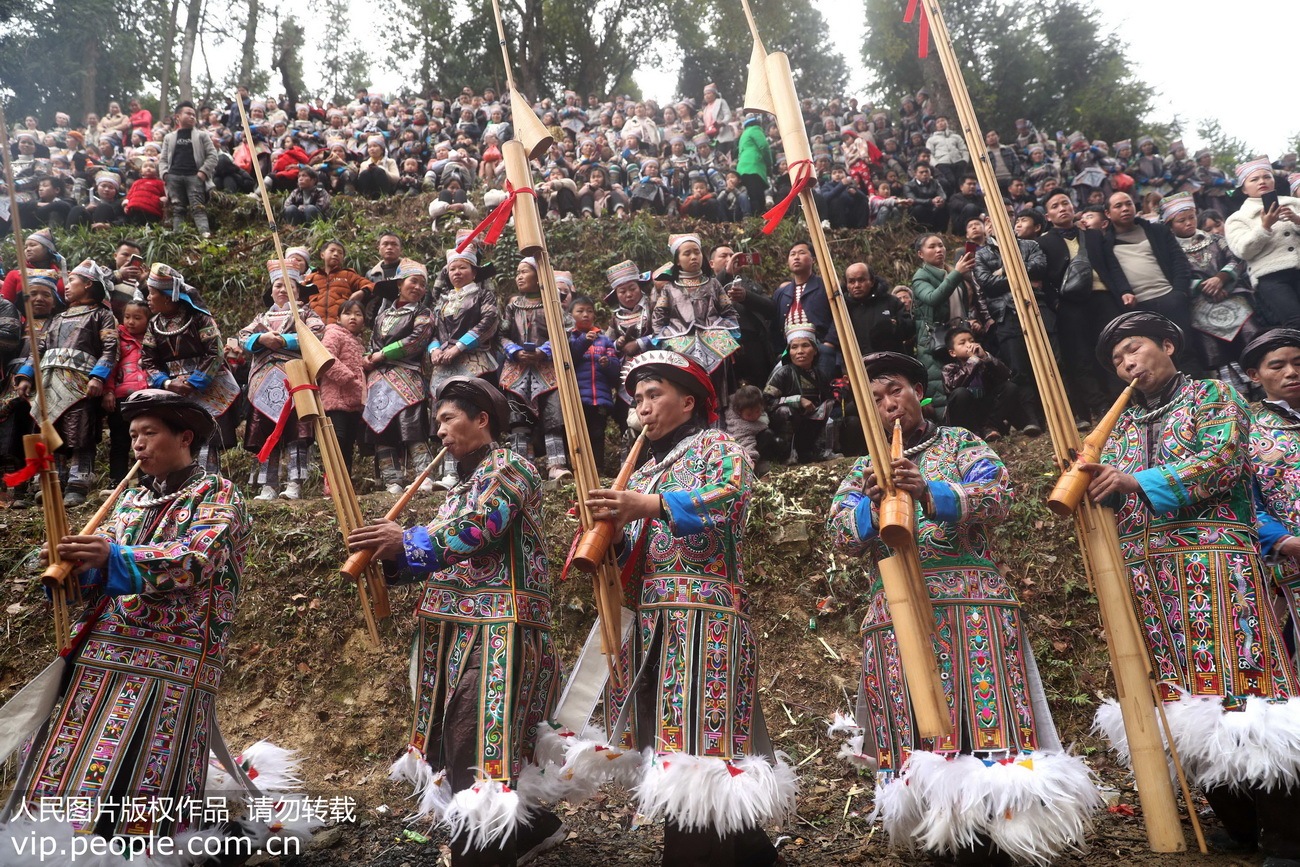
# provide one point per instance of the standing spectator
(390, 258)
(928, 199)
(754, 160)
(1006, 165)
(1267, 242)
(309, 202)
(128, 377)
(596, 366)
(965, 205)
(189, 159)
(716, 116)
(799, 396)
(755, 315)
(1143, 267)
(1214, 184)
(809, 291)
(343, 384)
(951, 158)
(933, 286)
(692, 314)
(881, 321)
(528, 377)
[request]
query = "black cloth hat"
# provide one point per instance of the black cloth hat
(1275, 338)
(482, 395)
(180, 411)
(884, 363)
(1137, 323)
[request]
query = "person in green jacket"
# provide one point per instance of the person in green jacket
(754, 161)
(932, 287)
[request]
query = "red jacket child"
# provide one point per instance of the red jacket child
(145, 196)
(128, 377)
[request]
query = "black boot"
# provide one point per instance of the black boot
(1235, 810)
(1279, 827)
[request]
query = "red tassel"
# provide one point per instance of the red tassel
(495, 223)
(264, 454)
(568, 559)
(923, 46)
(802, 179)
(43, 461)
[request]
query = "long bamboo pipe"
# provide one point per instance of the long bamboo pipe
(360, 560)
(56, 574)
(1070, 488)
(1095, 526)
(594, 544)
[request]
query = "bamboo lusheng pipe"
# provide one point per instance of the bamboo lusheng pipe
(897, 508)
(906, 593)
(1073, 484)
(594, 544)
(41, 446)
(359, 561)
(1096, 528)
(57, 574)
(606, 586)
(528, 128)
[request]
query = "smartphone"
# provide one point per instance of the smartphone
(1269, 200)
(738, 261)
(971, 248)
(136, 259)
(528, 347)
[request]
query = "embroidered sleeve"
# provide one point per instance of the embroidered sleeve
(985, 491)
(852, 521)
(720, 499)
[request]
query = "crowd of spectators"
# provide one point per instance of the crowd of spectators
(1101, 227)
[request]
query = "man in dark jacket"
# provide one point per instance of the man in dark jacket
(881, 322)
(965, 205)
(929, 199)
(1142, 267)
(811, 291)
(755, 314)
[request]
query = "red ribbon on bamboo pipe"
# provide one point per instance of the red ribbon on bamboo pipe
(923, 46)
(264, 453)
(801, 182)
(495, 223)
(43, 461)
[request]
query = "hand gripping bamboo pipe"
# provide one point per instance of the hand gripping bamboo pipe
(39, 448)
(1073, 483)
(359, 561)
(905, 591)
(594, 544)
(56, 574)
(1096, 528)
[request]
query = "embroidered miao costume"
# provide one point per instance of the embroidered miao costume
(708, 767)
(467, 316)
(530, 387)
(1200, 592)
(15, 410)
(187, 347)
(1275, 451)
(483, 670)
(396, 413)
(77, 344)
(627, 326)
(693, 315)
(1000, 776)
(268, 391)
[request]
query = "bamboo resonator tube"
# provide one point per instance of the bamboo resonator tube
(1097, 531)
(594, 544)
(359, 561)
(897, 508)
(1073, 483)
(56, 574)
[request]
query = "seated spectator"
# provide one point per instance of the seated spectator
(105, 206)
(928, 199)
(146, 197)
(285, 165)
(733, 203)
(491, 167)
(847, 206)
(965, 205)
(559, 195)
(701, 204)
(799, 396)
(453, 203)
(650, 192)
(309, 202)
(52, 204)
(981, 395)
(885, 207)
(411, 182)
(599, 198)
(378, 173)
(333, 170)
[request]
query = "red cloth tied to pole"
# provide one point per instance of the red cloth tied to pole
(264, 453)
(43, 461)
(802, 181)
(923, 46)
(495, 223)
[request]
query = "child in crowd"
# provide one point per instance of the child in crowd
(411, 181)
(452, 202)
(343, 385)
(799, 397)
(309, 201)
(128, 377)
(748, 425)
(701, 204)
(596, 365)
(15, 403)
(145, 199)
(78, 351)
(981, 395)
(733, 204)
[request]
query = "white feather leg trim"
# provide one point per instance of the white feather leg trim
(271, 768)
(1255, 746)
(1033, 807)
(484, 814)
(699, 792)
(431, 790)
(843, 725)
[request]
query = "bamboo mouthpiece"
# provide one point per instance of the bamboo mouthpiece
(897, 509)
(594, 544)
(1070, 488)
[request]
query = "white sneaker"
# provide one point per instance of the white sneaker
(426, 486)
(268, 493)
(292, 491)
(394, 488)
(557, 473)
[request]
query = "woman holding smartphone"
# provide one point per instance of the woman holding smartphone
(1265, 233)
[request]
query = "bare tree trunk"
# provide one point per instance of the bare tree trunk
(248, 58)
(88, 77)
(531, 61)
(193, 15)
(168, 47)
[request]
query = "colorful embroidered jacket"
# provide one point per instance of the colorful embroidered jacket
(77, 344)
(524, 327)
(401, 333)
(695, 316)
(981, 643)
(1190, 544)
(692, 592)
(267, 387)
(1275, 450)
(141, 700)
(189, 347)
(486, 591)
